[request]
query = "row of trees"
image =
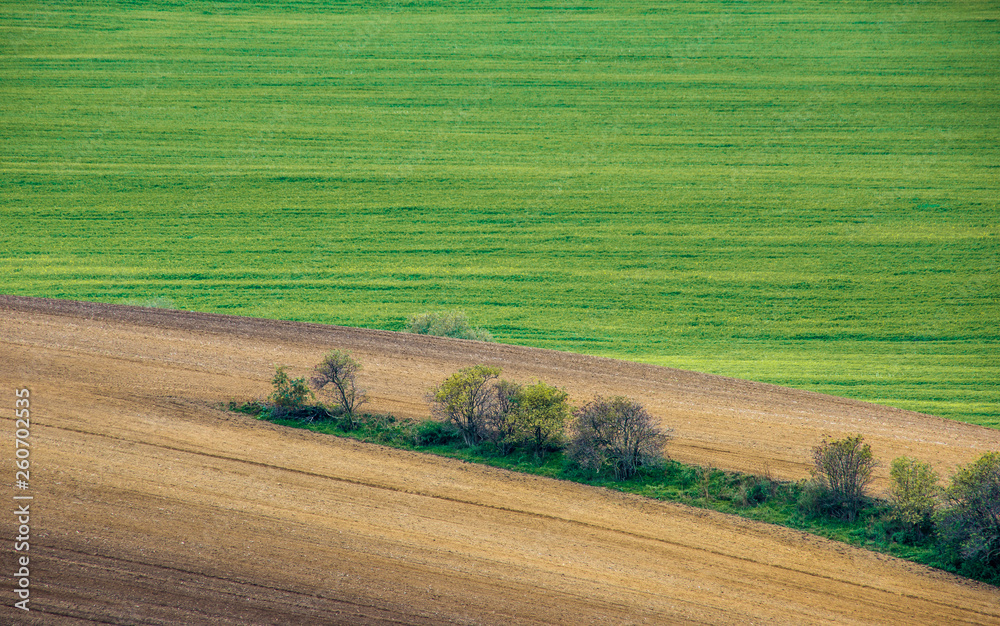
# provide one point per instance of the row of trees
(963, 517)
(615, 434)
(607, 434)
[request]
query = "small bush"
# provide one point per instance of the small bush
(446, 324)
(338, 372)
(467, 399)
(844, 469)
(970, 526)
(539, 417)
(617, 434)
(435, 433)
(913, 495)
(289, 394)
(754, 491)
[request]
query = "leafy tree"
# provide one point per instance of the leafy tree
(970, 526)
(446, 324)
(844, 469)
(616, 433)
(289, 394)
(913, 494)
(466, 399)
(338, 372)
(539, 417)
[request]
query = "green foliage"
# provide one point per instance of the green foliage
(970, 525)
(913, 494)
(843, 470)
(466, 399)
(289, 394)
(847, 242)
(446, 324)
(617, 434)
(435, 433)
(338, 372)
(539, 418)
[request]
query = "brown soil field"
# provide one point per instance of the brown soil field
(152, 505)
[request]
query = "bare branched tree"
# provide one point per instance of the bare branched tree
(337, 374)
(616, 433)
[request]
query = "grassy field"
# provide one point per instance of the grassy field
(801, 193)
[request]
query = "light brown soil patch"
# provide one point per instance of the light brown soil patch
(154, 506)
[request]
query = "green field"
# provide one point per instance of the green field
(804, 193)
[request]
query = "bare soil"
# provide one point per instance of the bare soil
(152, 505)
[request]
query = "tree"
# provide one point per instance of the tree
(971, 523)
(913, 493)
(466, 399)
(500, 427)
(616, 433)
(844, 469)
(539, 417)
(446, 324)
(338, 371)
(289, 394)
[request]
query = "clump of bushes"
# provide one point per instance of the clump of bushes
(289, 395)
(913, 497)
(961, 521)
(446, 324)
(617, 434)
(969, 525)
(842, 471)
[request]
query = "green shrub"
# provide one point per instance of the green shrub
(435, 433)
(446, 324)
(754, 491)
(970, 526)
(289, 394)
(617, 434)
(539, 417)
(466, 399)
(913, 496)
(844, 468)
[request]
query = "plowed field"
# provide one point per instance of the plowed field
(152, 505)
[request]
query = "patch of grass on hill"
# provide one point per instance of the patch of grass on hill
(758, 498)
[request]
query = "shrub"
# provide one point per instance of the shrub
(813, 498)
(913, 494)
(844, 469)
(446, 324)
(289, 394)
(466, 399)
(434, 433)
(970, 526)
(539, 417)
(338, 371)
(617, 434)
